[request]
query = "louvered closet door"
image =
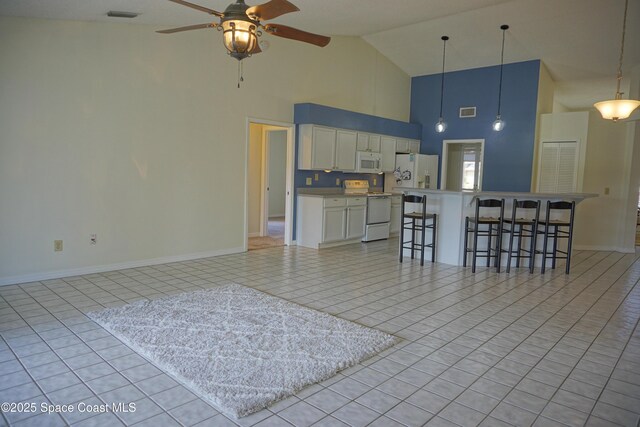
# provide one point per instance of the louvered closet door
(558, 167)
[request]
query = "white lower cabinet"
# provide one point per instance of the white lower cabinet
(356, 217)
(342, 220)
(333, 224)
(396, 212)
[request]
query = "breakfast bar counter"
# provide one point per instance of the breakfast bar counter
(453, 206)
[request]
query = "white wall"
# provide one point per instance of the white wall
(277, 172)
(545, 105)
(141, 137)
(254, 178)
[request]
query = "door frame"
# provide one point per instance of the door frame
(290, 172)
(445, 152)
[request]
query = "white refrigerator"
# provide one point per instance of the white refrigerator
(413, 171)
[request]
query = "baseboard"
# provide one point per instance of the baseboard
(604, 249)
(56, 274)
(256, 234)
(277, 215)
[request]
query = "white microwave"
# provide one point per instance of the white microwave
(367, 162)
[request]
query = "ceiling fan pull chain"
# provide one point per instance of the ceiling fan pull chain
(239, 73)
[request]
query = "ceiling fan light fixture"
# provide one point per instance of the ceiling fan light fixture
(240, 37)
(618, 108)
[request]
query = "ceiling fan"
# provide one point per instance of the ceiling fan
(241, 23)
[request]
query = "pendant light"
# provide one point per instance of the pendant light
(618, 108)
(498, 124)
(441, 126)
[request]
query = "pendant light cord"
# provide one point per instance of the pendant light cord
(624, 28)
(504, 30)
(444, 51)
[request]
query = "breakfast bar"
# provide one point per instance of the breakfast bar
(453, 206)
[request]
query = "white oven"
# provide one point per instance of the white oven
(367, 162)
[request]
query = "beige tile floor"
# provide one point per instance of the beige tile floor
(486, 349)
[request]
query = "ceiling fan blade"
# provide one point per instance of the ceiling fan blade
(295, 34)
(187, 28)
(198, 7)
(271, 9)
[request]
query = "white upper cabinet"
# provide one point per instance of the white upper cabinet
(368, 142)
(346, 150)
(327, 148)
(414, 146)
(402, 145)
(388, 151)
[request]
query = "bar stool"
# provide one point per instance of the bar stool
(494, 229)
(417, 221)
(520, 226)
(556, 229)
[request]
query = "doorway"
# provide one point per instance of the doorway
(462, 162)
(269, 173)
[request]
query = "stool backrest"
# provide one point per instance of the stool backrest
(490, 204)
(412, 199)
(561, 206)
(525, 204)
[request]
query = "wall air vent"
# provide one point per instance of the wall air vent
(116, 14)
(466, 112)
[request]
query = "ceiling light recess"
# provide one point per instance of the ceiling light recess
(118, 14)
(618, 108)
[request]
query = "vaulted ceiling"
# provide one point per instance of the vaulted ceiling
(578, 40)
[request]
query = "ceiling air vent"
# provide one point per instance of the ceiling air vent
(116, 14)
(466, 112)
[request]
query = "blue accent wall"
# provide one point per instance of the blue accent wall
(508, 156)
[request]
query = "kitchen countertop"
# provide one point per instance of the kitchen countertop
(506, 194)
(328, 192)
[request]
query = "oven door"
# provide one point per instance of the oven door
(378, 209)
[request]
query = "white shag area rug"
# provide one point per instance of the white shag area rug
(239, 348)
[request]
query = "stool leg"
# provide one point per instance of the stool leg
(401, 238)
(413, 237)
(569, 250)
(544, 248)
(555, 246)
(475, 248)
(422, 222)
(499, 248)
(466, 241)
(433, 238)
(519, 245)
(532, 248)
(489, 245)
(510, 248)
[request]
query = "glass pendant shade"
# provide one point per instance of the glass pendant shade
(441, 126)
(615, 109)
(498, 124)
(240, 37)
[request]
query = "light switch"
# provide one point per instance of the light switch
(606, 191)
(309, 181)
(375, 181)
(338, 181)
(316, 177)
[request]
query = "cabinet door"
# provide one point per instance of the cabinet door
(374, 143)
(333, 224)
(363, 142)
(402, 145)
(356, 217)
(388, 151)
(324, 148)
(346, 142)
(414, 146)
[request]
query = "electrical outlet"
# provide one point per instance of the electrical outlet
(309, 181)
(93, 239)
(338, 181)
(375, 181)
(317, 177)
(57, 245)
(606, 191)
